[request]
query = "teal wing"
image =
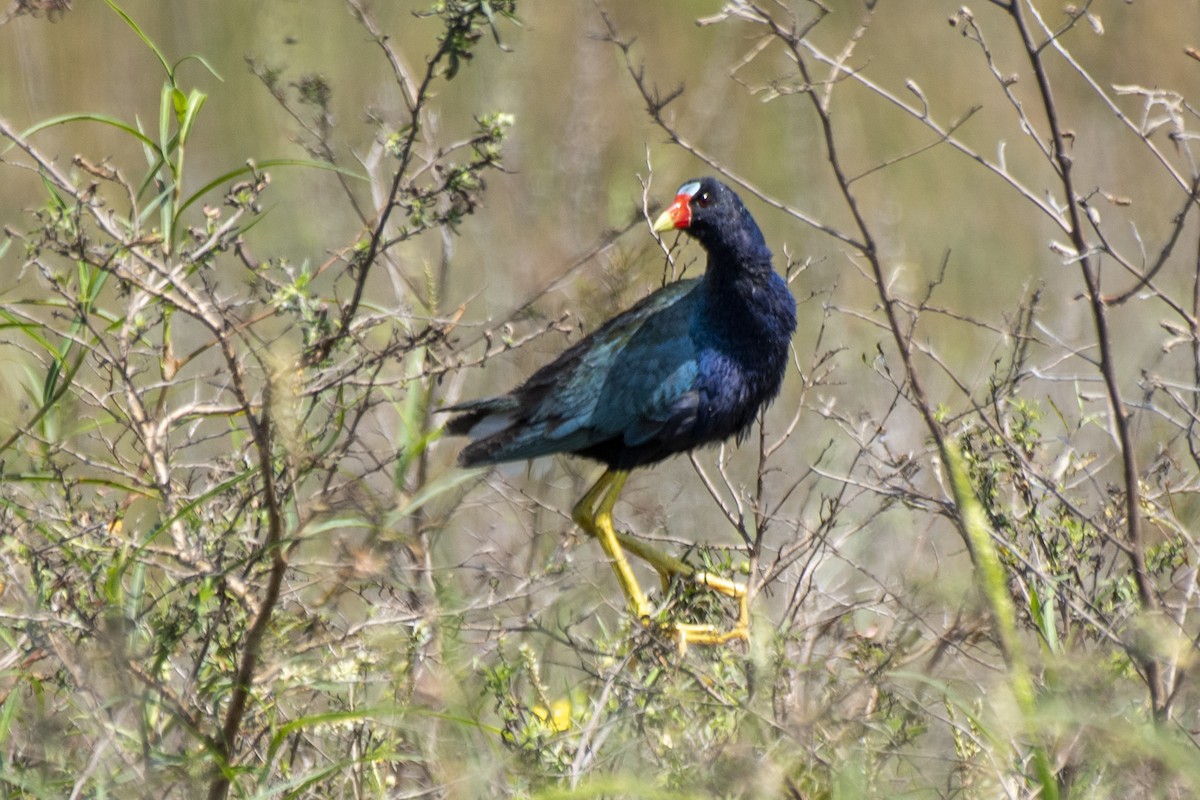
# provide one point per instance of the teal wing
(632, 380)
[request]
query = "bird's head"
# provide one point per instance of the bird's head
(710, 211)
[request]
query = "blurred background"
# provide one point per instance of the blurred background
(581, 142)
(969, 244)
(581, 139)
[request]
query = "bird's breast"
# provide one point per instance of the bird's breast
(732, 387)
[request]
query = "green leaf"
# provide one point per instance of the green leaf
(438, 486)
(103, 119)
(166, 106)
(7, 712)
(191, 108)
(203, 62)
(178, 102)
(251, 168)
(162, 59)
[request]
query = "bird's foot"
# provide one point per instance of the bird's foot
(671, 569)
(725, 586)
(685, 634)
(706, 635)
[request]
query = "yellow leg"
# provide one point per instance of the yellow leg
(668, 566)
(593, 513)
(597, 522)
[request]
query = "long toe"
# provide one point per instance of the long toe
(706, 635)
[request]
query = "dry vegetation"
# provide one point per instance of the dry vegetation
(239, 561)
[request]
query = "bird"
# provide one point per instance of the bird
(689, 365)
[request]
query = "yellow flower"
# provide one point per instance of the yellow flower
(558, 716)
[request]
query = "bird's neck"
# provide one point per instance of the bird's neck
(748, 307)
(739, 248)
(738, 271)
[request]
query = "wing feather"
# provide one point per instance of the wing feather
(632, 379)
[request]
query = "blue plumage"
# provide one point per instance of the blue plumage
(689, 365)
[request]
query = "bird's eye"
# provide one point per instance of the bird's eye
(704, 199)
